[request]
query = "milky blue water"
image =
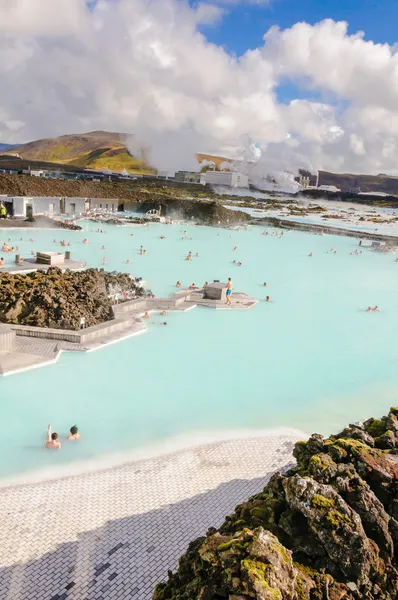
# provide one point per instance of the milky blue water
(312, 359)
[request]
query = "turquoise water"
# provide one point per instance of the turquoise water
(312, 359)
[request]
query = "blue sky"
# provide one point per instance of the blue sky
(244, 25)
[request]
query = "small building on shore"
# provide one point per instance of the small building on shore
(29, 206)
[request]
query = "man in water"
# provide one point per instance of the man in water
(229, 291)
(74, 433)
(52, 440)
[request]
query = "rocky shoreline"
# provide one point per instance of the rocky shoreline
(326, 229)
(60, 300)
(325, 530)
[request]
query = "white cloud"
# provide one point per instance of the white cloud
(208, 14)
(142, 66)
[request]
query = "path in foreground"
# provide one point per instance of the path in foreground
(114, 534)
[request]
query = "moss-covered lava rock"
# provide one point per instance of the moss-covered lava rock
(325, 530)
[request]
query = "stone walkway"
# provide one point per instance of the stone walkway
(114, 534)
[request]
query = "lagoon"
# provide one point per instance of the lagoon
(312, 359)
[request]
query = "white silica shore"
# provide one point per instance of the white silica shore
(115, 533)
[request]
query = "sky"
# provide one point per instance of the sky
(287, 84)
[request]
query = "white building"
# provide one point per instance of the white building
(25, 206)
(226, 178)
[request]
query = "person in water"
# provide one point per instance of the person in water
(52, 440)
(1, 262)
(267, 299)
(74, 433)
(147, 315)
(229, 291)
(178, 284)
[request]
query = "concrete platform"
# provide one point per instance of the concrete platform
(17, 362)
(41, 346)
(30, 265)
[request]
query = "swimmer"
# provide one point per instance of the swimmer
(68, 244)
(205, 284)
(369, 309)
(265, 284)
(52, 440)
(376, 309)
(103, 248)
(147, 315)
(1, 262)
(267, 299)
(189, 257)
(310, 254)
(162, 237)
(239, 264)
(74, 433)
(163, 313)
(131, 234)
(85, 241)
(235, 249)
(32, 252)
(128, 262)
(17, 248)
(104, 260)
(197, 254)
(178, 284)
(193, 287)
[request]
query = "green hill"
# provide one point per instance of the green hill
(93, 150)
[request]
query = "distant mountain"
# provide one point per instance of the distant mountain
(5, 147)
(353, 183)
(93, 150)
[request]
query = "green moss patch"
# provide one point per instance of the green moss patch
(319, 501)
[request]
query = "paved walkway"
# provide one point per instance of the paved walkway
(114, 534)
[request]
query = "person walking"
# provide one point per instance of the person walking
(229, 292)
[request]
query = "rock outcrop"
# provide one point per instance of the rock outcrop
(325, 530)
(59, 300)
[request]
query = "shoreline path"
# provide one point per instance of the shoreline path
(114, 534)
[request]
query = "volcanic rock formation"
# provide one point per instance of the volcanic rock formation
(59, 300)
(325, 530)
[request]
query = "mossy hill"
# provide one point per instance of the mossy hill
(325, 530)
(93, 150)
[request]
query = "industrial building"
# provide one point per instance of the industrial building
(188, 177)
(226, 178)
